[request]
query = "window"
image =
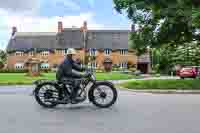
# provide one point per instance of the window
(19, 66)
(55, 65)
(123, 65)
(19, 53)
(92, 52)
(123, 51)
(61, 52)
(107, 51)
(92, 65)
(116, 36)
(65, 52)
(44, 66)
(31, 53)
(45, 53)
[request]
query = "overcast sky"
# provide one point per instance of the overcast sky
(42, 15)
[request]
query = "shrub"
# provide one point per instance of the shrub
(137, 72)
(13, 71)
(153, 72)
(46, 70)
(157, 75)
(133, 69)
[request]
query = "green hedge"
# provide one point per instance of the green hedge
(13, 71)
(163, 84)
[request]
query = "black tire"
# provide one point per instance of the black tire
(182, 78)
(37, 98)
(92, 97)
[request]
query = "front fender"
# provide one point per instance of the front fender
(106, 82)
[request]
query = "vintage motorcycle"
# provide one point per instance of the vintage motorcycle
(48, 94)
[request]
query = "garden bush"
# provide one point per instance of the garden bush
(133, 69)
(13, 71)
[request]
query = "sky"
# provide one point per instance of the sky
(43, 15)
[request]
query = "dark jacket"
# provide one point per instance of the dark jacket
(69, 69)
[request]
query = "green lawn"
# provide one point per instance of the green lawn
(21, 78)
(163, 84)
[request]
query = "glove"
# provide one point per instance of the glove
(86, 75)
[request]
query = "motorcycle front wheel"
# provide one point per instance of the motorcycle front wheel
(103, 94)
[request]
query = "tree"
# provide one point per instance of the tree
(161, 21)
(3, 57)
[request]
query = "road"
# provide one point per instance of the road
(133, 113)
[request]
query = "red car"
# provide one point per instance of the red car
(189, 72)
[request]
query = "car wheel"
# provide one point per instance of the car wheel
(182, 77)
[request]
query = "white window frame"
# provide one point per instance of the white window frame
(107, 51)
(92, 52)
(45, 53)
(92, 65)
(19, 53)
(44, 66)
(31, 53)
(19, 66)
(123, 65)
(123, 51)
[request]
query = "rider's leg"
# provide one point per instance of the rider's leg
(76, 84)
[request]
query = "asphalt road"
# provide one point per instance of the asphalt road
(133, 113)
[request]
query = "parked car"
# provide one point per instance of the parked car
(189, 72)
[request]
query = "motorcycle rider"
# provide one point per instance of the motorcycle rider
(69, 69)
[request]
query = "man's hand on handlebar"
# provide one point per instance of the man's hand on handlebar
(87, 74)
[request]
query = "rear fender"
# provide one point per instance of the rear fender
(40, 83)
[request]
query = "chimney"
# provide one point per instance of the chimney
(60, 26)
(85, 25)
(14, 30)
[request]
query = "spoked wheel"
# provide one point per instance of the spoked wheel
(46, 95)
(103, 95)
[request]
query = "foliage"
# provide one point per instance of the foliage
(3, 57)
(13, 71)
(133, 69)
(163, 84)
(161, 21)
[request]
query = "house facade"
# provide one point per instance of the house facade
(51, 47)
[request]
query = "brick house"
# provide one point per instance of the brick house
(51, 47)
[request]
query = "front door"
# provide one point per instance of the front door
(143, 67)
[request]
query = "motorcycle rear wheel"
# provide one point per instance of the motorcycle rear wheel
(42, 102)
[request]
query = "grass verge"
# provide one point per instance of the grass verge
(22, 79)
(162, 85)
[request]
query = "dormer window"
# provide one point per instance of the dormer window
(107, 51)
(45, 53)
(92, 52)
(31, 53)
(123, 51)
